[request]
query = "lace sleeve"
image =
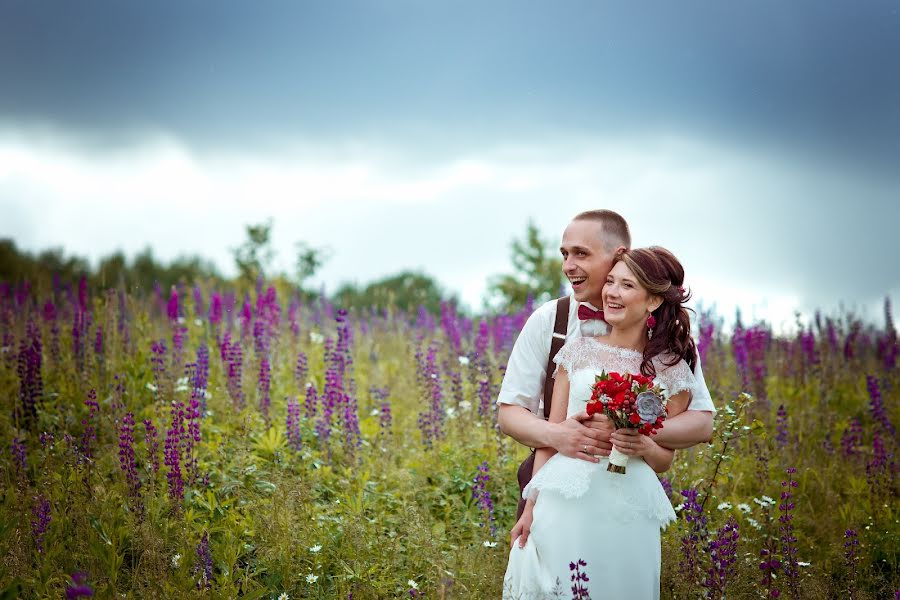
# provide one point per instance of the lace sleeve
(677, 378)
(566, 356)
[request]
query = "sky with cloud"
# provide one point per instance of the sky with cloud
(759, 141)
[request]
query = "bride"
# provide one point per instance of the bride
(578, 513)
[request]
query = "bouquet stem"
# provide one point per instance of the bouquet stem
(617, 461)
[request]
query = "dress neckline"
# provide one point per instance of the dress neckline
(611, 347)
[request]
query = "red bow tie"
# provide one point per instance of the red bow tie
(585, 313)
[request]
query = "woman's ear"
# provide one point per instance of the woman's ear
(655, 302)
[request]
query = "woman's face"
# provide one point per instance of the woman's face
(625, 301)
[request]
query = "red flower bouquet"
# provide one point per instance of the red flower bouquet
(629, 400)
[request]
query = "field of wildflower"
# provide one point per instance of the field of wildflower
(208, 443)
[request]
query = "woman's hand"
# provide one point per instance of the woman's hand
(522, 528)
(630, 442)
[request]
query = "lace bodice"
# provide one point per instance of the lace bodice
(585, 357)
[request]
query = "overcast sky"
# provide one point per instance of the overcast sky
(759, 141)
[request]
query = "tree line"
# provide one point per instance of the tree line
(536, 274)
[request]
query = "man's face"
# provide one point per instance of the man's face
(586, 261)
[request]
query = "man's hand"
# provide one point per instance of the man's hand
(522, 528)
(582, 436)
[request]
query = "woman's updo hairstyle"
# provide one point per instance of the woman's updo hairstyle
(657, 270)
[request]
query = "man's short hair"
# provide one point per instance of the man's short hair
(615, 228)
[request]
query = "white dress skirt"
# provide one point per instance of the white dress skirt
(609, 520)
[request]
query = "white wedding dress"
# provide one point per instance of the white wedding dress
(611, 521)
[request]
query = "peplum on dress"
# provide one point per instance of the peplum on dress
(611, 521)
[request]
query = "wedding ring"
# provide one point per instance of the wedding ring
(585, 448)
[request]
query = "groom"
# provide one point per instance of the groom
(589, 244)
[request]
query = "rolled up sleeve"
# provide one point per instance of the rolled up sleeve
(523, 382)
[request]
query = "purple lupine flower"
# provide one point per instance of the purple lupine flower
(666, 486)
(292, 424)
(781, 426)
(301, 369)
(788, 540)
(449, 325)
(235, 366)
(47, 440)
(28, 369)
(311, 402)
(17, 449)
(264, 384)
(22, 293)
(808, 346)
(484, 397)
(693, 542)
(579, 579)
(851, 439)
(193, 438)
(385, 420)
(456, 387)
(200, 378)
(293, 311)
(173, 310)
(89, 435)
(723, 555)
(246, 318)
(482, 497)
(172, 452)
(179, 334)
(50, 317)
(260, 337)
(876, 406)
(483, 339)
(158, 360)
(769, 566)
(198, 302)
(127, 462)
(151, 441)
(431, 421)
(215, 309)
(98, 344)
(350, 422)
(204, 564)
(707, 329)
(851, 560)
(79, 587)
(880, 467)
(40, 521)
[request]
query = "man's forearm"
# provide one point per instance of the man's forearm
(520, 424)
(685, 430)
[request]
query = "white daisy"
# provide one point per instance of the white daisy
(411, 583)
(312, 578)
(315, 548)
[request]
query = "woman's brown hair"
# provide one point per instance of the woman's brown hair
(657, 270)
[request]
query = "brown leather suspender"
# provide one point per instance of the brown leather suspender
(560, 327)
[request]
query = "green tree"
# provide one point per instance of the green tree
(405, 291)
(309, 261)
(254, 256)
(538, 273)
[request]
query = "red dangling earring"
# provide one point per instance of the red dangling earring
(651, 323)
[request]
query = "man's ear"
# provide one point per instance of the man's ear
(620, 251)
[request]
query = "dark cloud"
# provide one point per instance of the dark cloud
(816, 78)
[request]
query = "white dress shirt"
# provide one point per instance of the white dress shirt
(526, 371)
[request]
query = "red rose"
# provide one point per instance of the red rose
(634, 418)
